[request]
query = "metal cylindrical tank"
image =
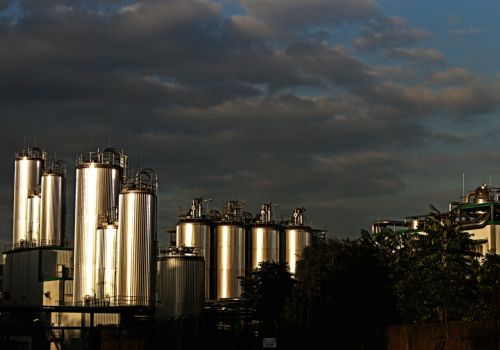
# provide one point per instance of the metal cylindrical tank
(230, 253)
(28, 169)
(52, 206)
(136, 244)
(180, 285)
(33, 234)
(265, 244)
(296, 239)
(98, 182)
(196, 233)
(105, 265)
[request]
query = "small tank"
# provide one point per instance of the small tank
(136, 244)
(180, 283)
(230, 251)
(105, 266)
(28, 167)
(264, 237)
(33, 234)
(297, 237)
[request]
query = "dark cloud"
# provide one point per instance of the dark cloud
(419, 54)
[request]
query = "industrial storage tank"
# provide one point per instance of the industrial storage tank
(33, 234)
(136, 244)
(105, 266)
(180, 283)
(52, 210)
(297, 237)
(28, 167)
(264, 238)
(230, 251)
(98, 182)
(193, 230)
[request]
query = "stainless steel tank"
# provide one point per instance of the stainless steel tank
(297, 237)
(180, 285)
(33, 234)
(105, 266)
(230, 252)
(136, 243)
(98, 182)
(264, 238)
(52, 205)
(193, 230)
(28, 169)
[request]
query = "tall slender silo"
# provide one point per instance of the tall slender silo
(193, 231)
(136, 243)
(297, 237)
(264, 238)
(98, 182)
(33, 234)
(230, 251)
(53, 198)
(28, 167)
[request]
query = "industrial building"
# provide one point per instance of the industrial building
(478, 212)
(114, 274)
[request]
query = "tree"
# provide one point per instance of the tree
(267, 289)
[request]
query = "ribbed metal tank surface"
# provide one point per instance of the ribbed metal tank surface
(230, 252)
(106, 262)
(97, 190)
(265, 244)
(28, 169)
(196, 233)
(180, 286)
(52, 209)
(136, 247)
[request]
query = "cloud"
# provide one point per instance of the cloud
(419, 54)
(453, 75)
(388, 32)
(464, 31)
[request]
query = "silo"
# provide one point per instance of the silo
(52, 209)
(28, 169)
(106, 262)
(230, 252)
(180, 284)
(98, 182)
(33, 234)
(193, 230)
(297, 237)
(136, 243)
(264, 238)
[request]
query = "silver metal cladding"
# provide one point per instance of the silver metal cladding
(296, 238)
(33, 234)
(52, 209)
(196, 234)
(264, 243)
(98, 183)
(230, 252)
(28, 169)
(180, 286)
(136, 243)
(105, 267)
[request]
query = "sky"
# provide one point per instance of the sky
(356, 110)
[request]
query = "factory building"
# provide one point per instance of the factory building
(115, 272)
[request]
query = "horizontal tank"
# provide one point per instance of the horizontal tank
(136, 244)
(28, 167)
(180, 284)
(105, 263)
(98, 183)
(297, 237)
(52, 208)
(33, 234)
